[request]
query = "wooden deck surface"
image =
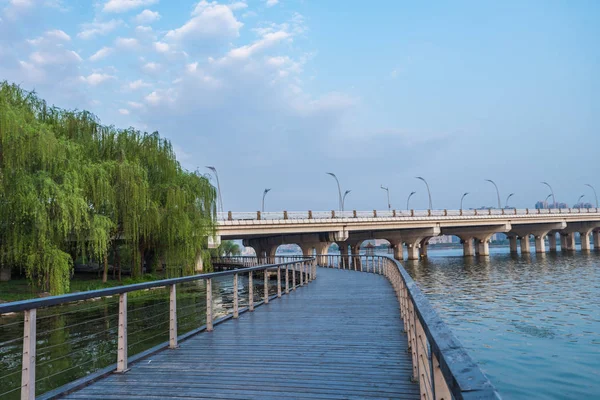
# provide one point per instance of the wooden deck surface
(340, 337)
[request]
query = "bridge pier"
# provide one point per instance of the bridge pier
(596, 239)
(552, 241)
(424, 244)
(569, 239)
(540, 244)
(398, 249)
(344, 259)
(468, 249)
(512, 240)
(525, 244)
(585, 240)
(413, 250)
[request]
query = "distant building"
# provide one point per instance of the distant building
(441, 239)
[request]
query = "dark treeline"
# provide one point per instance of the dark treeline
(71, 188)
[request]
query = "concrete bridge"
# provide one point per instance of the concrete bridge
(314, 232)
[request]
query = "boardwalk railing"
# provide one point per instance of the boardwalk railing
(441, 365)
(77, 330)
(296, 215)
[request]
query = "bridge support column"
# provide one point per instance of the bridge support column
(413, 250)
(540, 244)
(585, 240)
(513, 244)
(596, 240)
(424, 244)
(563, 242)
(355, 251)
(525, 245)
(344, 261)
(468, 249)
(322, 252)
(398, 250)
(483, 247)
(552, 241)
(570, 241)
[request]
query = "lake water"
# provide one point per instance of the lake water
(532, 322)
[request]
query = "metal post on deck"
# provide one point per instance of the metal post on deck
(122, 339)
(440, 387)
(236, 312)
(278, 281)
(173, 317)
(29, 355)
(287, 280)
(266, 286)
(209, 313)
(423, 366)
(301, 277)
(294, 276)
(250, 293)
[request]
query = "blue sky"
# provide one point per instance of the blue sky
(276, 93)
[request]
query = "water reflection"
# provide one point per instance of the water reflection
(531, 321)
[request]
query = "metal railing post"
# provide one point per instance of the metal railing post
(266, 286)
(236, 312)
(294, 276)
(122, 339)
(29, 355)
(440, 387)
(250, 293)
(301, 277)
(173, 317)
(287, 280)
(209, 311)
(278, 281)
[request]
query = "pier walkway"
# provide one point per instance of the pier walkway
(340, 337)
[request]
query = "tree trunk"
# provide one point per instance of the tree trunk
(105, 273)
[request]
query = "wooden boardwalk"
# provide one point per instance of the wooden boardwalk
(340, 337)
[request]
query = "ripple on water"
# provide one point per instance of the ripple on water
(532, 322)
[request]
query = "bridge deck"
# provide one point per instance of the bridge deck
(337, 338)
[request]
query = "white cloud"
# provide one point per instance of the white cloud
(268, 40)
(52, 36)
(240, 5)
(96, 78)
(151, 67)
(93, 29)
(58, 57)
(119, 6)
(209, 21)
(271, 3)
(135, 85)
(161, 47)
(134, 104)
(127, 43)
(123, 111)
(153, 98)
(147, 17)
(100, 54)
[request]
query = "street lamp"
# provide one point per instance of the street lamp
(263, 200)
(552, 192)
(579, 201)
(428, 191)
(461, 199)
(408, 200)
(547, 197)
(339, 190)
(219, 199)
(344, 198)
(509, 196)
(595, 195)
(388, 196)
(497, 191)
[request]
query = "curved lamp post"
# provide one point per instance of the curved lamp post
(461, 199)
(428, 191)
(263, 200)
(497, 191)
(344, 198)
(408, 200)
(388, 196)
(339, 190)
(551, 192)
(547, 197)
(219, 199)
(509, 196)
(579, 201)
(595, 195)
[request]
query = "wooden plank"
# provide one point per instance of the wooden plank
(339, 337)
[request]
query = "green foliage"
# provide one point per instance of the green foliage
(229, 248)
(70, 186)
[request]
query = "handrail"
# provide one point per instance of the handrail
(399, 214)
(441, 365)
(303, 268)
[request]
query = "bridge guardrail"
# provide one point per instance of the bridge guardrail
(112, 330)
(434, 214)
(441, 365)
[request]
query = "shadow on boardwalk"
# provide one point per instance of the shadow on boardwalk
(340, 337)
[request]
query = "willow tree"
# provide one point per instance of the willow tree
(70, 186)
